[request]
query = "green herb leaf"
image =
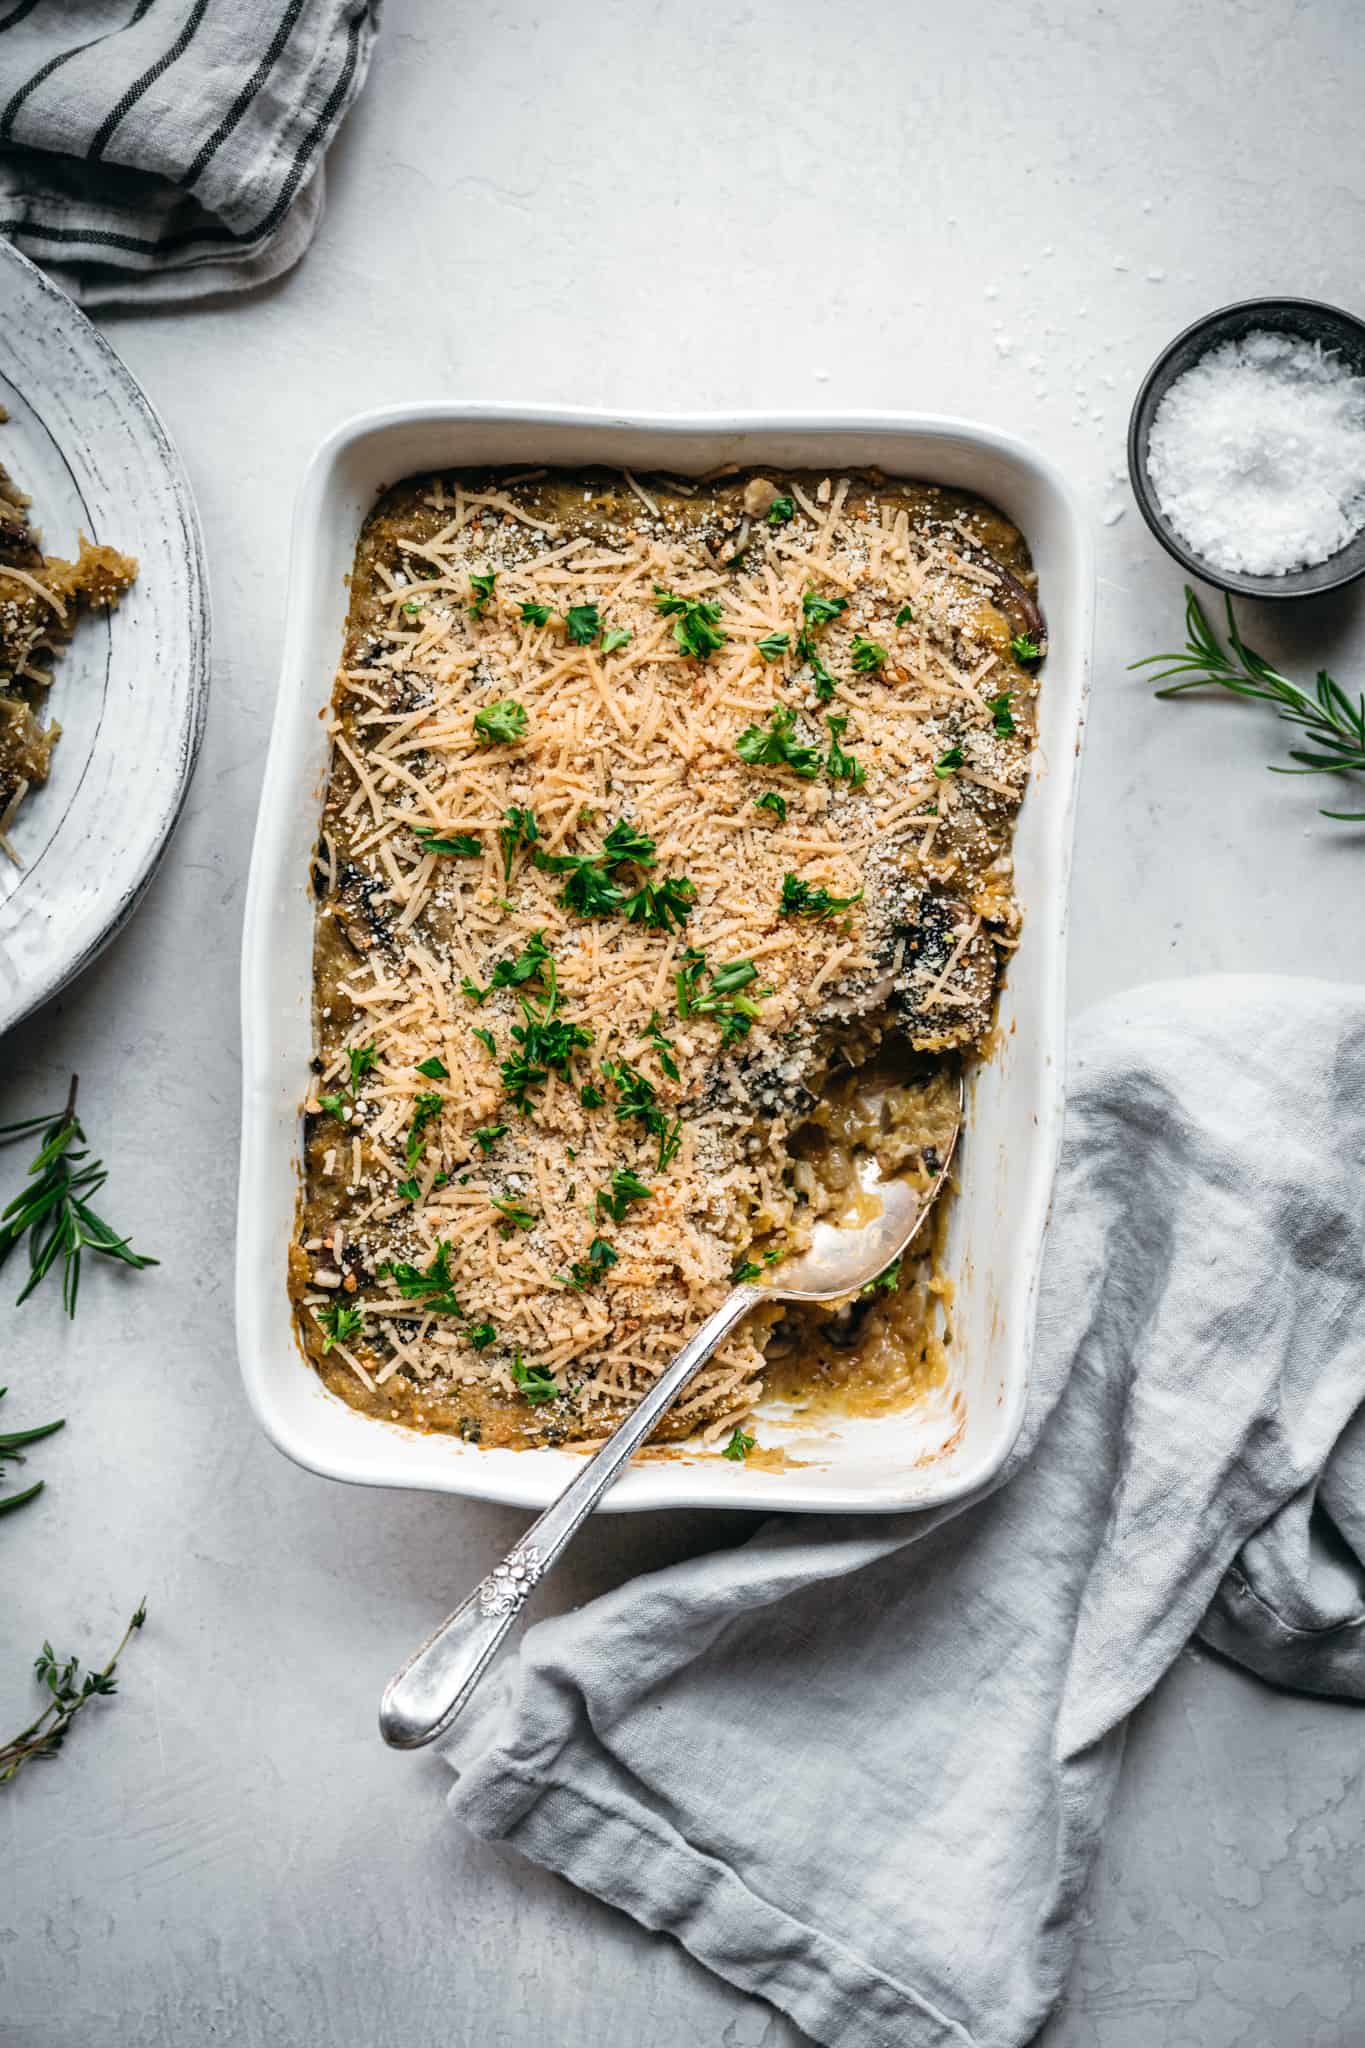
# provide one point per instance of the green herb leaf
(431, 1287)
(867, 654)
(534, 962)
(839, 766)
(800, 900)
(339, 1323)
(885, 1283)
(582, 623)
(464, 844)
(335, 1105)
(500, 724)
(519, 1218)
(948, 763)
(361, 1060)
(906, 615)
(591, 1096)
(776, 746)
(623, 842)
(487, 1135)
(52, 1209)
(520, 829)
(587, 1272)
(537, 1385)
(662, 906)
(434, 1069)
(773, 644)
(619, 636)
(739, 1446)
(999, 708)
(485, 1038)
(425, 1110)
(68, 1694)
(818, 611)
(481, 1335)
(696, 622)
(1025, 648)
(534, 614)
(624, 1188)
(653, 1034)
(482, 586)
(781, 511)
(772, 801)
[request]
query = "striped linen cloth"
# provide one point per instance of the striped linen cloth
(163, 149)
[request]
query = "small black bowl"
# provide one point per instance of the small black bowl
(1306, 319)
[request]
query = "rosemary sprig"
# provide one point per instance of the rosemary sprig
(69, 1693)
(1329, 719)
(13, 1444)
(53, 1208)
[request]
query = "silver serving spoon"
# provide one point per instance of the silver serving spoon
(422, 1700)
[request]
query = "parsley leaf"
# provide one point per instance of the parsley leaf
(623, 842)
(781, 511)
(482, 587)
(425, 1110)
(867, 654)
(340, 1322)
(536, 1384)
(534, 614)
(663, 905)
(1025, 648)
(519, 830)
(432, 1289)
(434, 1069)
(885, 1283)
(619, 636)
(947, 762)
(773, 644)
(361, 1059)
(653, 1034)
(818, 611)
(503, 722)
(591, 1096)
(772, 801)
(587, 1272)
(775, 745)
(906, 615)
(696, 622)
(625, 1187)
(999, 708)
(582, 623)
(487, 1135)
(463, 843)
(485, 1038)
(519, 1218)
(734, 1012)
(839, 766)
(739, 1446)
(800, 900)
(481, 1335)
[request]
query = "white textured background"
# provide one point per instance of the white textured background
(997, 210)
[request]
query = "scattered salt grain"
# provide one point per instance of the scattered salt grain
(1257, 455)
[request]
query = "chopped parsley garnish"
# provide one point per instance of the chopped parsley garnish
(867, 654)
(485, 1038)
(773, 644)
(885, 1283)
(361, 1059)
(947, 763)
(482, 587)
(519, 1218)
(1025, 648)
(587, 1272)
(534, 614)
(723, 1000)
(636, 1096)
(434, 1069)
(536, 1384)
(520, 829)
(824, 681)
(411, 1189)
(670, 1138)
(500, 724)
(696, 622)
(481, 1335)
(432, 1289)
(582, 623)
(818, 611)
(623, 842)
(487, 1135)
(588, 890)
(739, 1446)
(661, 905)
(625, 1187)
(999, 708)
(545, 1045)
(775, 745)
(781, 511)
(772, 800)
(800, 900)
(839, 766)
(619, 636)
(335, 1105)
(906, 615)
(653, 1034)
(591, 1096)
(425, 1110)
(530, 964)
(339, 1322)
(749, 1269)
(466, 844)
(413, 607)
(472, 990)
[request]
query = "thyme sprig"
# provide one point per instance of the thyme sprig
(53, 1208)
(68, 1694)
(1329, 719)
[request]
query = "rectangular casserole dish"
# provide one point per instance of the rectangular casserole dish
(934, 1451)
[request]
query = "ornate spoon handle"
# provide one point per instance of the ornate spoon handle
(422, 1700)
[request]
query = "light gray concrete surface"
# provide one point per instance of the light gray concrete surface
(998, 211)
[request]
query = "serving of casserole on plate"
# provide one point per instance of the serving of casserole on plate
(665, 863)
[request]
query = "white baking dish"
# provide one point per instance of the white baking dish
(929, 1453)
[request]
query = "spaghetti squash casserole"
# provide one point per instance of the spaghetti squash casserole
(664, 871)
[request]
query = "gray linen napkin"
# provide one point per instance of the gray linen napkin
(860, 1767)
(162, 149)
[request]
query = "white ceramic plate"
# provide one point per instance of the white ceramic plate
(130, 691)
(931, 1452)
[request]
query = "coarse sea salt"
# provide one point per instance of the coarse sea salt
(1257, 455)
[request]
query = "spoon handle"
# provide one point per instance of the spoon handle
(422, 1699)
